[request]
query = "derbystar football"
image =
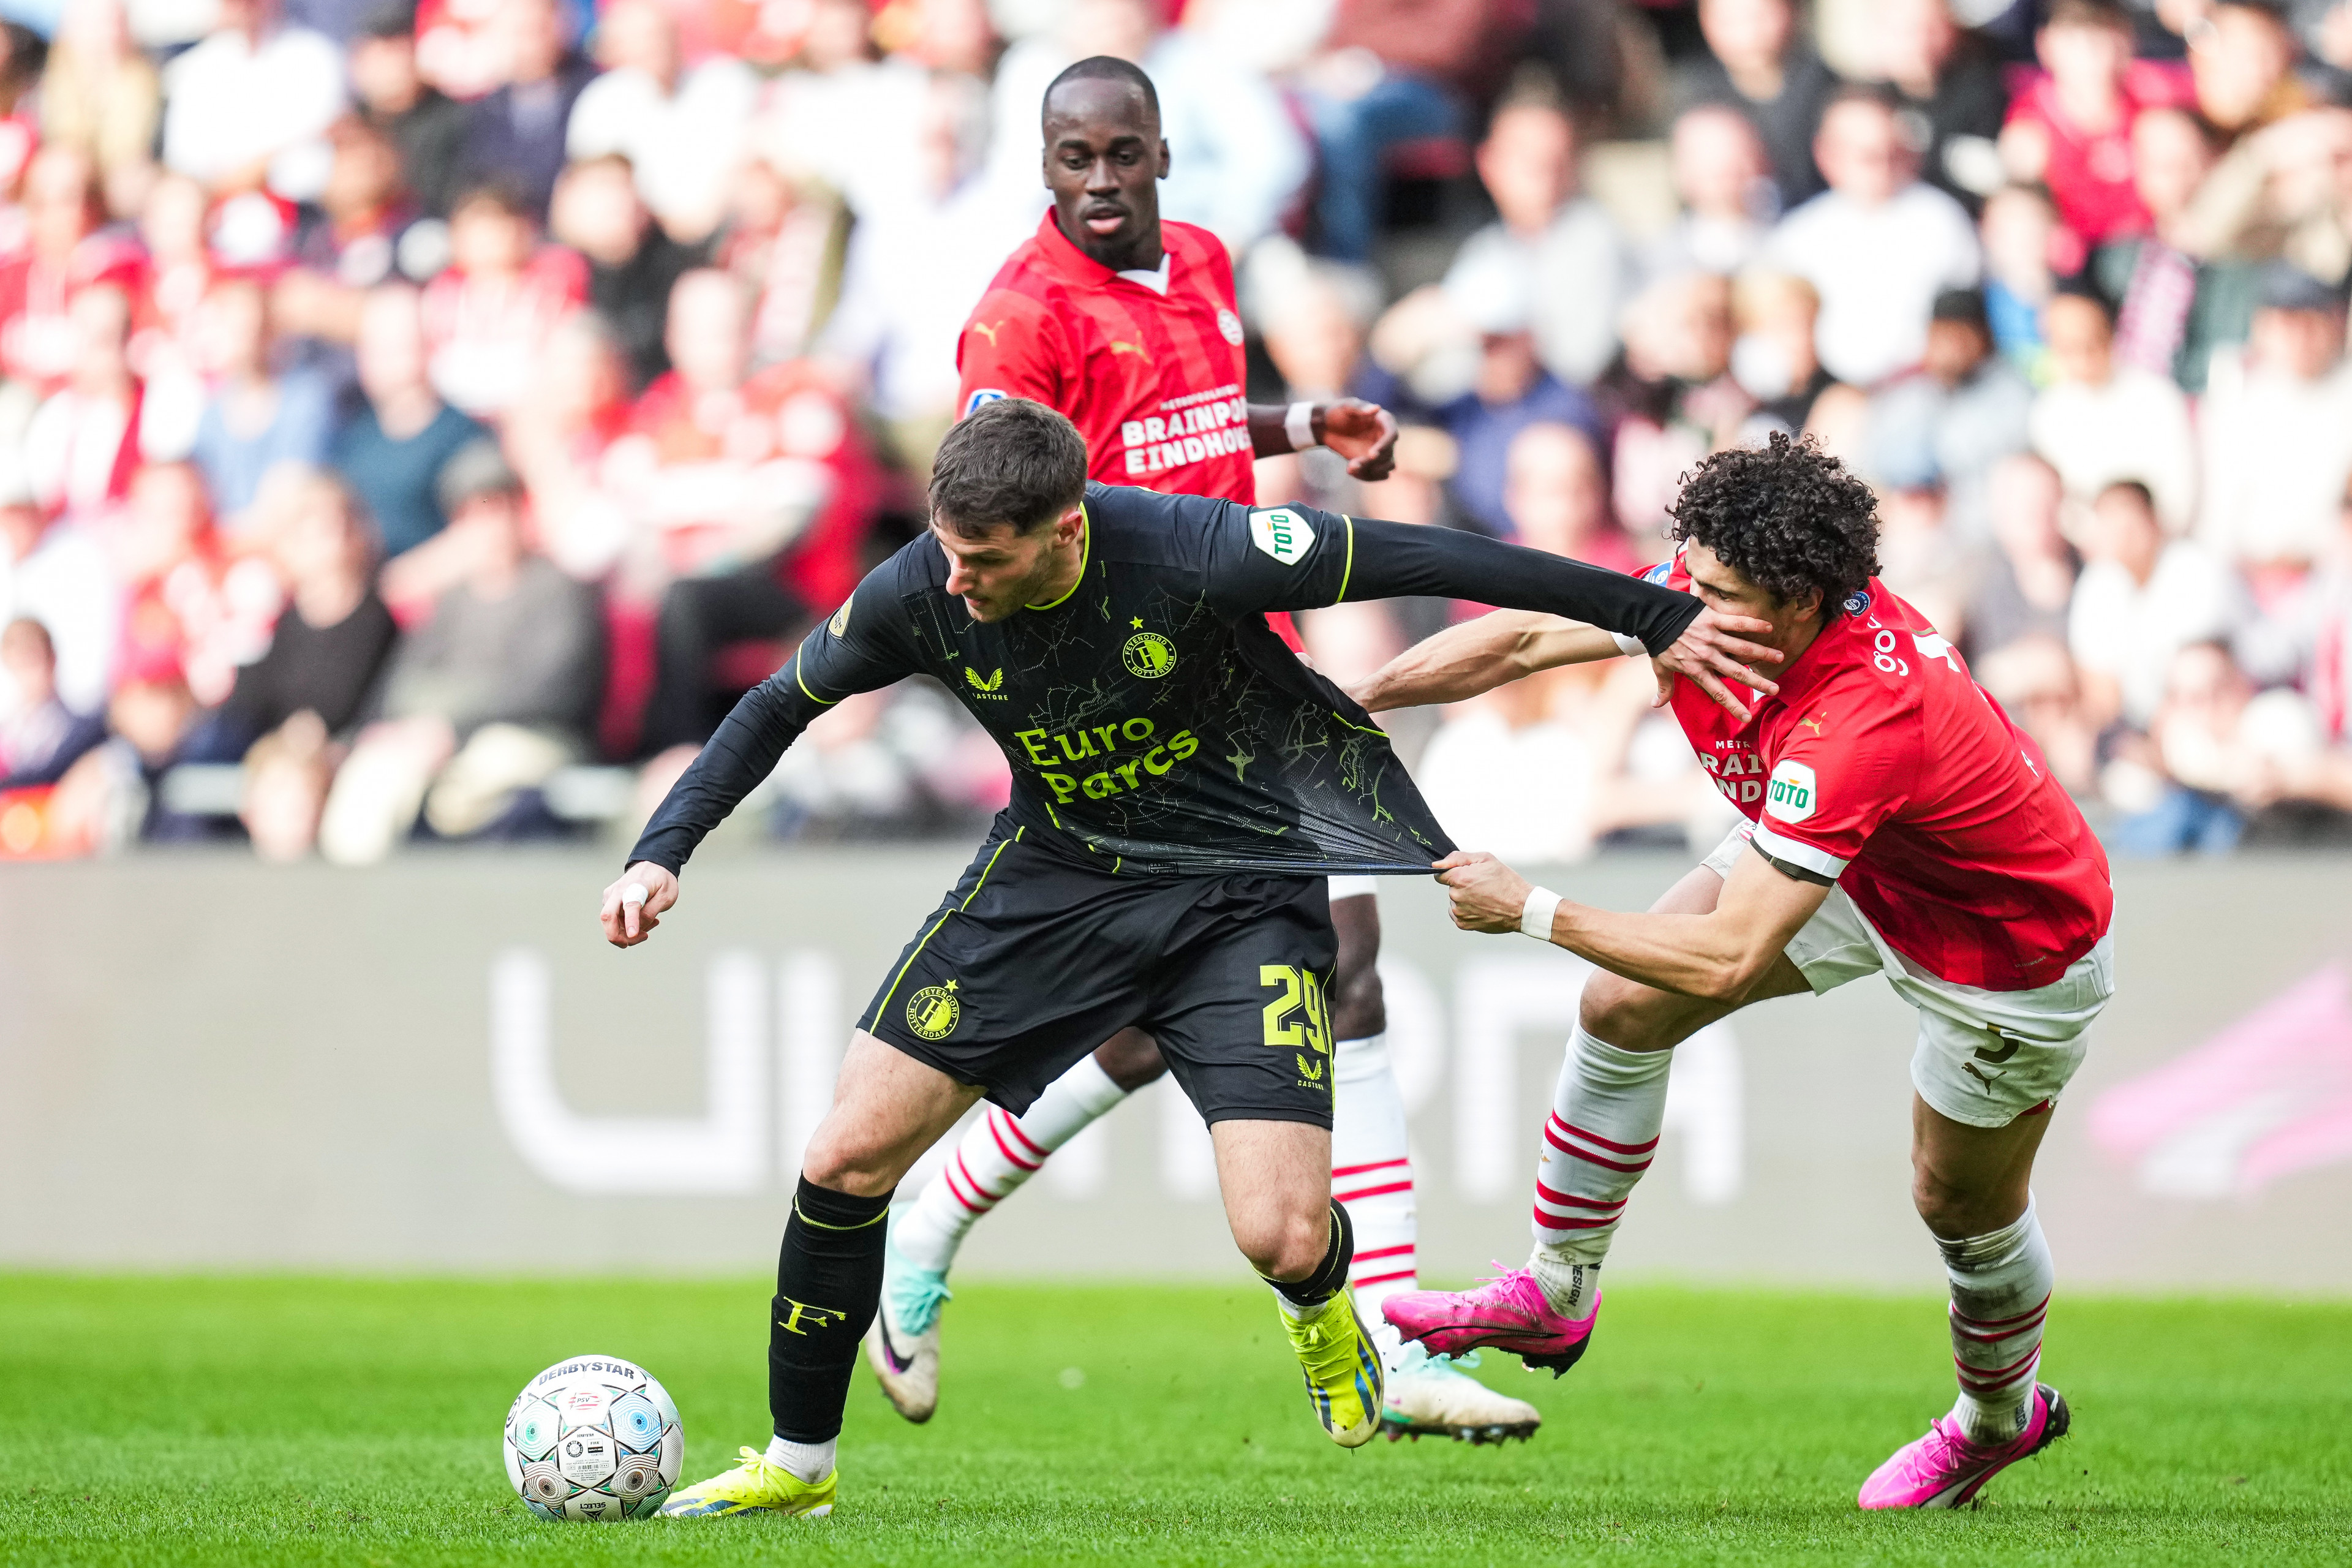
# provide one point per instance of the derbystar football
(594, 1438)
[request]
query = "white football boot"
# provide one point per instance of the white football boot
(1432, 1396)
(903, 1345)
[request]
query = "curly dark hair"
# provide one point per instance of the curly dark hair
(1786, 515)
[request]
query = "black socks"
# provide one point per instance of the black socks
(1332, 1273)
(828, 1284)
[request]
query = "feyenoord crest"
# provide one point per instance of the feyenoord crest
(1231, 325)
(933, 1011)
(1149, 655)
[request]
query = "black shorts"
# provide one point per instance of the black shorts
(1031, 963)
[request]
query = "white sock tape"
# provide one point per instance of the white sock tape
(1535, 915)
(1298, 424)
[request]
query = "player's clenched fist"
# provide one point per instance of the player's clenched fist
(1488, 895)
(633, 905)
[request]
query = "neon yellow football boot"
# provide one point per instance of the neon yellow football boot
(752, 1486)
(1342, 1369)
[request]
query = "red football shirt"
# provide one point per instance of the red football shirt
(1884, 767)
(1153, 382)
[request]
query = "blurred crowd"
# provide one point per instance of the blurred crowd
(419, 422)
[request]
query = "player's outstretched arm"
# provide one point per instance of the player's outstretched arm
(1479, 654)
(1719, 955)
(633, 905)
(1363, 433)
(1334, 559)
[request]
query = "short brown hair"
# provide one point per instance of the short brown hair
(1008, 461)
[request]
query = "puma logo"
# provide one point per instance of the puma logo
(1814, 723)
(988, 330)
(1119, 348)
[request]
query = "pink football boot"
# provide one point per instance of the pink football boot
(1944, 1470)
(1507, 1312)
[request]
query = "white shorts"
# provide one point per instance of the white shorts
(1353, 886)
(1984, 1057)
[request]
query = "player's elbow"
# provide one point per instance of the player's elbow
(1730, 977)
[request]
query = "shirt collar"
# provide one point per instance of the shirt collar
(1078, 267)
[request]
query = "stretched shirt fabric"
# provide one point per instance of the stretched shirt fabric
(1154, 724)
(1882, 768)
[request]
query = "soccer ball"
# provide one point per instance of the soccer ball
(594, 1438)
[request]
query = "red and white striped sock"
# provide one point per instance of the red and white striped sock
(1371, 1173)
(2000, 1294)
(996, 1154)
(1600, 1136)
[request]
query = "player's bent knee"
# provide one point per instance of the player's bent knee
(1284, 1244)
(836, 1162)
(1626, 1014)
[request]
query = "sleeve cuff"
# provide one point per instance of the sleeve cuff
(1791, 855)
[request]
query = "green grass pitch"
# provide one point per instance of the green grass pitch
(198, 1421)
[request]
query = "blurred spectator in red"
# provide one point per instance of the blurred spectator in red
(2098, 422)
(2021, 234)
(684, 130)
(2173, 308)
(758, 488)
(1773, 358)
(248, 108)
(2141, 598)
(63, 251)
(2241, 57)
(400, 436)
(1948, 94)
(2071, 128)
(1949, 423)
(2276, 425)
(1395, 71)
(40, 737)
(1556, 495)
(514, 135)
(485, 700)
(102, 98)
(1551, 246)
(781, 242)
(1878, 244)
(1728, 197)
(166, 347)
(489, 315)
(187, 604)
(259, 416)
(633, 264)
(1756, 63)
(82, 445)
(425, 123)
(2026, 582)
(57, 572)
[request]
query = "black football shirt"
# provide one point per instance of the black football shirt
(1155, 725)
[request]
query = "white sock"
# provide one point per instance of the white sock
(1601, 1135)
(2000, 1294)
(997, 1154)
(811, 1462)
(1371, 1176)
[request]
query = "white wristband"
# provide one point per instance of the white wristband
(1633, 648)
(1535, 915)
(1298, 424)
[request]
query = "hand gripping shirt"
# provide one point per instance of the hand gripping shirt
(1153, 382)
(1154, 724)
(1883, 768)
